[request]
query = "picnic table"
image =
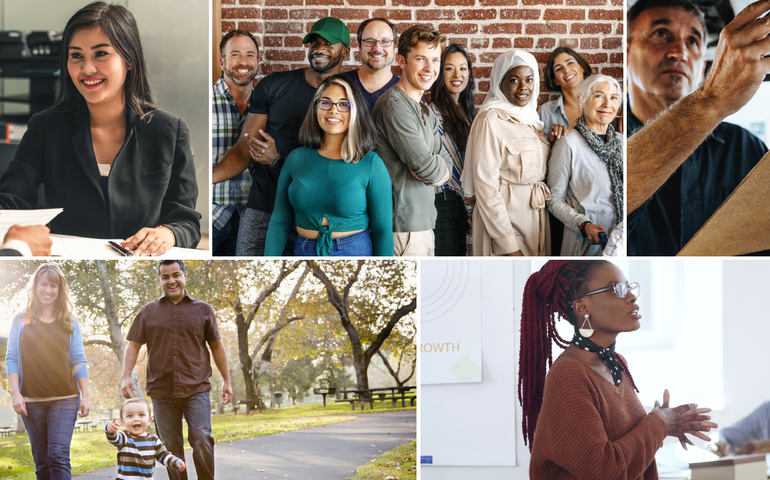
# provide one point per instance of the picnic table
(367, 395)
(324, 392)
(5, 431)
(85, 424)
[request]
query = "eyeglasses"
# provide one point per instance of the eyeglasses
(621, 289)
(370, 42)
(327, 105)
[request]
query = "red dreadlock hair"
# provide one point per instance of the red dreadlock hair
(548, 293)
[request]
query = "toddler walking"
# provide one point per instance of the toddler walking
(138, 449)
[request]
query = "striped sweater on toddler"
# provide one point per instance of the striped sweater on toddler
(137, 455)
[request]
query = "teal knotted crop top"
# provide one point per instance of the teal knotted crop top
(352, 196)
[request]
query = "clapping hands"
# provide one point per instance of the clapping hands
(684, 419)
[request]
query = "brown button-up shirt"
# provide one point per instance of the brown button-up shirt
(176, 334)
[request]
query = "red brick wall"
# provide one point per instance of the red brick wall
(485, 28)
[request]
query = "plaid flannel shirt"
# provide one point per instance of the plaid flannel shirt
(230, 195)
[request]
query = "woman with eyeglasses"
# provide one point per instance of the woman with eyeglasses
(583, 420)
(335, 188)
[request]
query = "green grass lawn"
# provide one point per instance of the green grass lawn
(398, 464)
(90, 451)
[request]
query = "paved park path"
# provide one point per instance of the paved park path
(332, 452)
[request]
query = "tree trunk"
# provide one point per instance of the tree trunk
(116, 336)
(340, 302)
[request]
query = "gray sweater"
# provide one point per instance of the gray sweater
(580, 191)
(409, 138)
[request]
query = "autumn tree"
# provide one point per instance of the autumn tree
(370, 299)
(252, 292)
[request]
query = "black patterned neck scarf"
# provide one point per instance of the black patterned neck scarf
(611, 154)
(606, 355)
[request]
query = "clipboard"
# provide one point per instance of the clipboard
(741, 224)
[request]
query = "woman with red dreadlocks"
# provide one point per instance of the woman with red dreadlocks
(584, 420)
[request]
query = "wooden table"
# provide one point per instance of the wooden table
(85, 425)
(367, 395)
(5, 431)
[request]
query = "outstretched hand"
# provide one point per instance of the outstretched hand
(741, 59)
(687, 418)
(113, 426)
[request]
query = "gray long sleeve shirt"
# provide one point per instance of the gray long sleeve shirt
(409, 138)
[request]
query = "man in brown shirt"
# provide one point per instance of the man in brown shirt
(176, 328)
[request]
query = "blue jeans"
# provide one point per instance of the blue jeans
(223, 240)
(49, 427)
(356, 245)
(196, 409)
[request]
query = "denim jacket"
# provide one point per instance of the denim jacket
(76, 354)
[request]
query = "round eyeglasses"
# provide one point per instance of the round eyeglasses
(371, 42)
(620, 289)
(327, 105)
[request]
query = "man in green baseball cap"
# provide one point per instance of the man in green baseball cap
(331, 29)
(276, 111)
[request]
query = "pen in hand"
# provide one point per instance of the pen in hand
(116, 246)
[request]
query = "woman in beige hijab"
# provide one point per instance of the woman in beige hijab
(506, 159)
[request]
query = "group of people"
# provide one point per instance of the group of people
(317, 162)
(48, 378)
(118, 165)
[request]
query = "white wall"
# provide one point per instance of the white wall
(746, 338)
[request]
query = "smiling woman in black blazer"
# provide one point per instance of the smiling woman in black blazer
(119, 166)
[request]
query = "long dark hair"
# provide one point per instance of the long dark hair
(550, 76)
(119, 25)
(361, 136)
(458, 116)
(548, 295)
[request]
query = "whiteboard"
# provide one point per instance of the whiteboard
(474, 423)
(450, 321)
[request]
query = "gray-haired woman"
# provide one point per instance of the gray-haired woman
(585, 170)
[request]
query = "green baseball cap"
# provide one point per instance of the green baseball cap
(331, 29)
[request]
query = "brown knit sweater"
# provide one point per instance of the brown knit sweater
(589, 429)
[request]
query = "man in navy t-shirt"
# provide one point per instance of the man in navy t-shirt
(377, 48)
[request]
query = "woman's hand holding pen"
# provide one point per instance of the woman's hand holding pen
(150, 242)
(683, 419)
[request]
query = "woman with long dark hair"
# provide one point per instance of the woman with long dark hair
(563, 72)
(47, 373)
(452, 102)
(117, 165)
(335, 188)
(583, 420)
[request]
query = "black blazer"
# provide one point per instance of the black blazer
(151, 183)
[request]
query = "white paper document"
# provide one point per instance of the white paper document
(25, 218)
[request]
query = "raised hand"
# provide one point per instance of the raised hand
(113, 426)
